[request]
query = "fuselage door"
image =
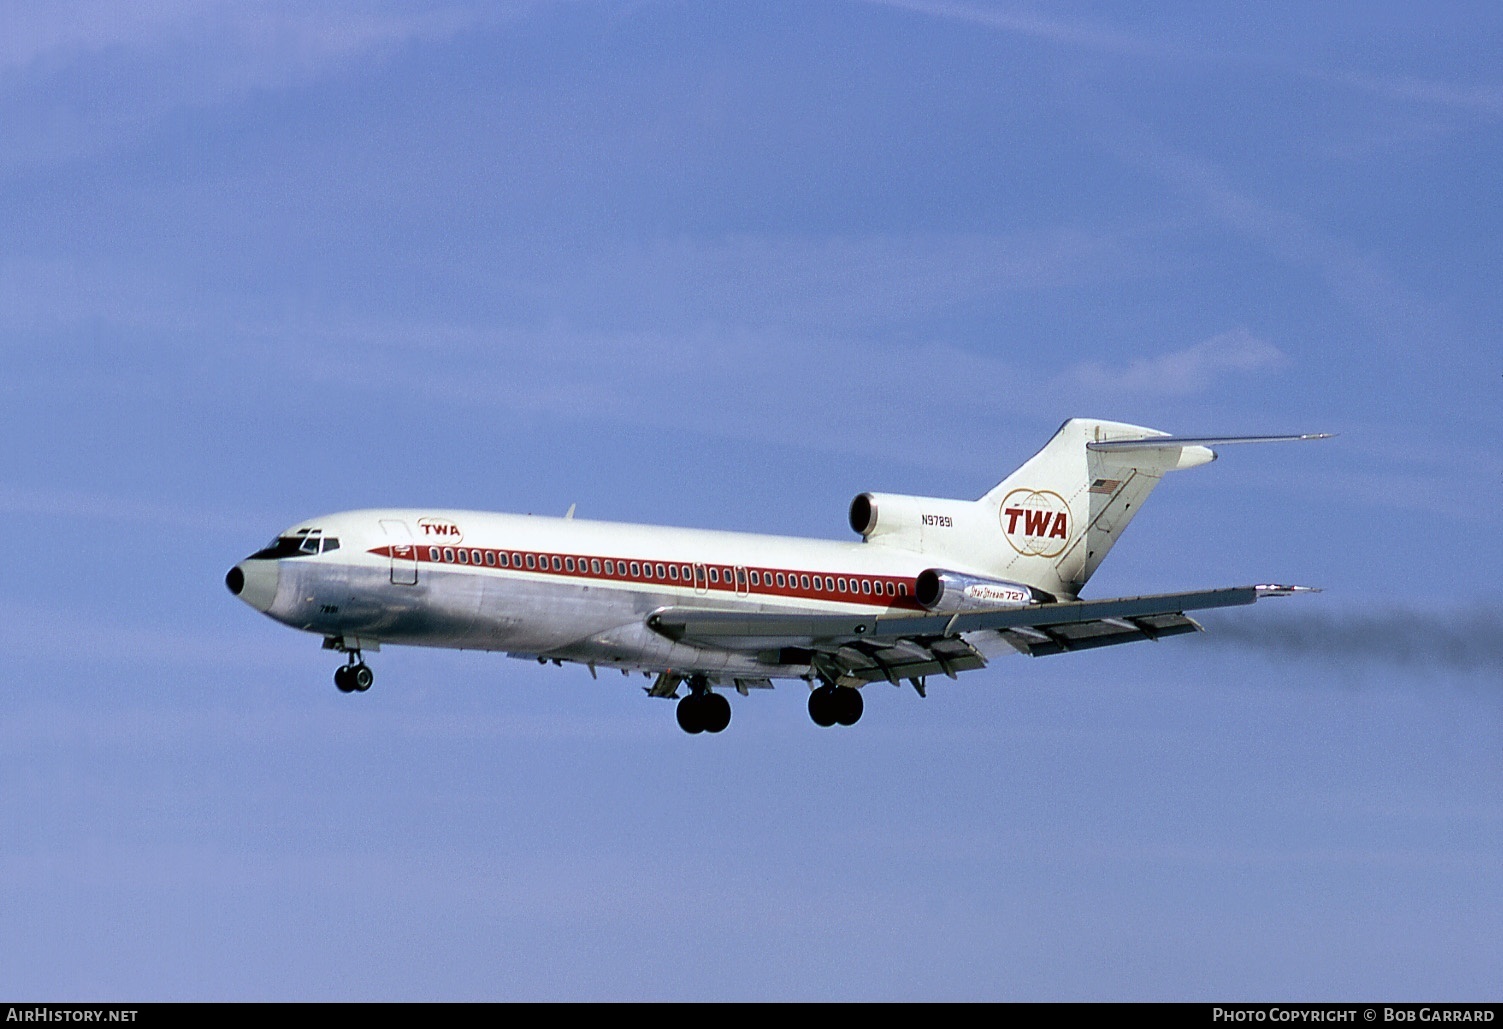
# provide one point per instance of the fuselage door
(701, 580)
(404, 566)
(742, 586)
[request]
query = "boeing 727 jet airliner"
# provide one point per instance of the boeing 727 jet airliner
(934, 587)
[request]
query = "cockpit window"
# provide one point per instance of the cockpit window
(282, 546)
(303, 543)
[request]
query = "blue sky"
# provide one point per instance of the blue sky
(727, 265)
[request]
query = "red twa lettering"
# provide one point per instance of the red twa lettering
(1050, 524)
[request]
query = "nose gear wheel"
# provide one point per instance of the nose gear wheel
(355, 677)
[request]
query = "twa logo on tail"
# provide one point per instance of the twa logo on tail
(1036, 522)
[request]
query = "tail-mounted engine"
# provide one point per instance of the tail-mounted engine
(916, 523)
(945, 593)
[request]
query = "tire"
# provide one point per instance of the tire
(361, 678)
(342, 679)
(717, 712)
(691, 715)
(822, 706)
(848, 705)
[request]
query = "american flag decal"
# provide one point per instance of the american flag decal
(1106, 486)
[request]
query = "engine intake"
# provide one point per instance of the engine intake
(918, 523)
(864, 514)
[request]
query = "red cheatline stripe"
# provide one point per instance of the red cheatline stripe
(584, 567)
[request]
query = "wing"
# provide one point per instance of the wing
(855, 649)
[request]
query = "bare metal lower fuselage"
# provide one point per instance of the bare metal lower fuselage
(468, 610)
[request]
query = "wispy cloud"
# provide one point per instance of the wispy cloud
(1357, 278)
(262, 718)
(1099, 37)
(79, 79)
(835, 283)
(1192, 370)
(797, 332)
(839, 283)
(813, 336)
(263, 42)
(1073, 33)
(1483, 99)
(106, 508)
(848, 394)
(32, 634)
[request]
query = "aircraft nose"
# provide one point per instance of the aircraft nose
(255, 582)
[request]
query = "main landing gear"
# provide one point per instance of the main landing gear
(701, 710)
(355, 677)
(831, 704)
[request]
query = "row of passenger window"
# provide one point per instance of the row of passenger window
(730, 578)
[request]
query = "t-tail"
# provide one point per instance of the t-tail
(1051, 523)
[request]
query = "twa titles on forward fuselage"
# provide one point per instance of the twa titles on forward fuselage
(935, 586)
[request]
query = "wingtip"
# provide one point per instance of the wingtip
(1274, 589)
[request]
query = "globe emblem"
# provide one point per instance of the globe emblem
(1036, 523)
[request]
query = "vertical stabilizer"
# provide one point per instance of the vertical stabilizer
(1058, 515)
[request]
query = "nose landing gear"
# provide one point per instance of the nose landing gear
(355, 677)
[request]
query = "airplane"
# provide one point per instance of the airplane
(935, 586)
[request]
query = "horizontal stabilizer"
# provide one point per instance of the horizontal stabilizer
(1165, 442)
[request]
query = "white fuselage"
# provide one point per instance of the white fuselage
(561, 588)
